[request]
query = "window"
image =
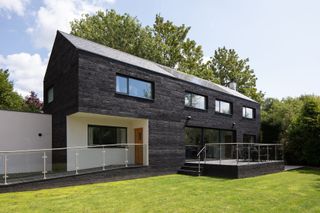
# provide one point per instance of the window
(248, 112)
(50, 95)
(223, 107)
(134, 87)
(249, 138)
(195, 101)
(102, 135)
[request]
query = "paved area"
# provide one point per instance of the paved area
(232, 162)
(99, 177)
(291, 167)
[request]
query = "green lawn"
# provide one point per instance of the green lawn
(294, 191)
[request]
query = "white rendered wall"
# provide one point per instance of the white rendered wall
(77, 135)
(20, 131)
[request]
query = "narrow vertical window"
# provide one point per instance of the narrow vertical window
(50, 95)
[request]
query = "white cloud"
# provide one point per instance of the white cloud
(26, 72)
(16, 6)
(57, 15)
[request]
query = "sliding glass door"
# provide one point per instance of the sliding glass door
(196, 138)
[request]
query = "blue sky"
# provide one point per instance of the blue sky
(281, 38)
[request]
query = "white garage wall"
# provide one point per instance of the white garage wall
(77, 135)
(20, 131)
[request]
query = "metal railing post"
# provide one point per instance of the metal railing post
(126, 157)
(267, 153)
(199, 170)
(259, 152)
(5, 173)
(76, 163)
(103, 158)
(44, 165)
(275, 152)
(237, 149)
(220, 152)
(248, 153)
(205, 154)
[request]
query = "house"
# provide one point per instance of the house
(101, 96)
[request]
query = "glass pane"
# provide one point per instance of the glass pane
(226, 136)
(192, 136)
(249, 113)
(121, 135)
(50, 95)
(140, 89)
(225, 107)
(249, 138)
(217, 109)
(187, 99)
(121, 84)
(211, 136)
(243, 112)
(192, 141)
(198, 101)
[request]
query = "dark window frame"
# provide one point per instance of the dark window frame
(137, 79)
(222, 113)
(115, 127)
(195, 108)
(253, 113)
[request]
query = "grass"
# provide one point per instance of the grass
(293, 191)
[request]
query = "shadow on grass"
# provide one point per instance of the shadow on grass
(312, 171)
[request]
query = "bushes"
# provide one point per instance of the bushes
(295, 122)
(303, 143)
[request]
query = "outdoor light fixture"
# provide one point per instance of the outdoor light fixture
(233, 124)
(188, 117)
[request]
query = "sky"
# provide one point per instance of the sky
(281, 38)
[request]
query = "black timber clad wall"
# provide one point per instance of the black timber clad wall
(166, 114)
(62, 73)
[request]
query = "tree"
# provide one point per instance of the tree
(303, 144)
(9, 100)
(164, 42)
(33, 103)
(227, 67)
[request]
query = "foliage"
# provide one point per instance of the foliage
(169, 45)
(293, 191)
(164, 42)
(9, 99)
(295, 122)
(303, 144)
(227, 67)
(33, 103)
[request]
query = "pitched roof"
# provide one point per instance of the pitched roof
(108, 52)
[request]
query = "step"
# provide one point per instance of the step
(193, 168)
(188, 172)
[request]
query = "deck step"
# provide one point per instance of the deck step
(191, 169)
(188, 172)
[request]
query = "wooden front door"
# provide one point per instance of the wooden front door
(138, 140)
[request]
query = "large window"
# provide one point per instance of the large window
(195, 101)
(50, 95)
(223, 107)
(102, 135)
(248, 112)
(134, 87)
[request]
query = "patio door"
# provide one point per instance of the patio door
(138, 140)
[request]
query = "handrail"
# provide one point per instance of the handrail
(71, 147)
(201, 150)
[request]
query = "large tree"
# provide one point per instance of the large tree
(9, 99)
(164, 42)
(228, 67)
